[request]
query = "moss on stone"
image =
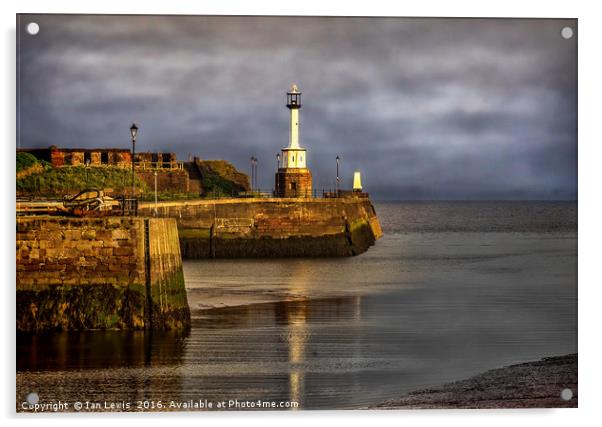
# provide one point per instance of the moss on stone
(357, 224)
(360, 236)
(170, 303)
(80, 307)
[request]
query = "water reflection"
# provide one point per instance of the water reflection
(415, 311)
(268, 350)
(98, 349)
(297, 337)
(324, 353)
(297, 340)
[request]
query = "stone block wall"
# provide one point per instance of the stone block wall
(120, 158)
(293, 183)
(95, 158)
(156, 160)
(97, 273)
(77, 157)
(168, 180)
(174, 181)
(57, 158)
(239, 228)
(74, 158)
(166, 276)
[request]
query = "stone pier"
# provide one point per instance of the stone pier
(99, 273)
(271, 227)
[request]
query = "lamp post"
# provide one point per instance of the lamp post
(277, 176)
(256, 179)
(338, 158)
(133, 132)
(155, 174)
(252, 173)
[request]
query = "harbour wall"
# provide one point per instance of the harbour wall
(271, 227)
(99, 273)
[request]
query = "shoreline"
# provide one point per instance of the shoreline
(535, 384)
(234, 299)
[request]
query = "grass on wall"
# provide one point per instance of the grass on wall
(56, 182)
(39, 178)
(220, 178)
(25, 161)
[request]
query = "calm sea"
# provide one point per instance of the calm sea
(452, 289)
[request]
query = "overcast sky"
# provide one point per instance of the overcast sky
(425, 108)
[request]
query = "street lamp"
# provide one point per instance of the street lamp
(155, 174)
(277, 177)
(133, 132)
(338, 158)
(256, 174)
(252, 173)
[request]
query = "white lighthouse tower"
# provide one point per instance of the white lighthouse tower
(293, 179)
(293, 156)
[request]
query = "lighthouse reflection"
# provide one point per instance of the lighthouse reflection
(277, 351)
(305, 321)
(297, 337)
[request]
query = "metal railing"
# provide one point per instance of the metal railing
(144, 165)
(273, 194)
(128, 206)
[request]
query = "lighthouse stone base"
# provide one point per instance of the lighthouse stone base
(293, 182)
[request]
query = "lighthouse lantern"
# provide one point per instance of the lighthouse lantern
(293, 97)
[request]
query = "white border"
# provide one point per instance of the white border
(590, 183)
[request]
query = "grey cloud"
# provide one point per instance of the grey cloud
(425, 108)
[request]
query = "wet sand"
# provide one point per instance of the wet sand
(536, 384)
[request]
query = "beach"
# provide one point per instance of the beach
(538, 384)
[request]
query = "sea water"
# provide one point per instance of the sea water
(451, 289)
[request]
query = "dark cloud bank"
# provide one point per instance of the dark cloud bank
(425, 108)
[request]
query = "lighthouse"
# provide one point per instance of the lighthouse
(293, 178)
